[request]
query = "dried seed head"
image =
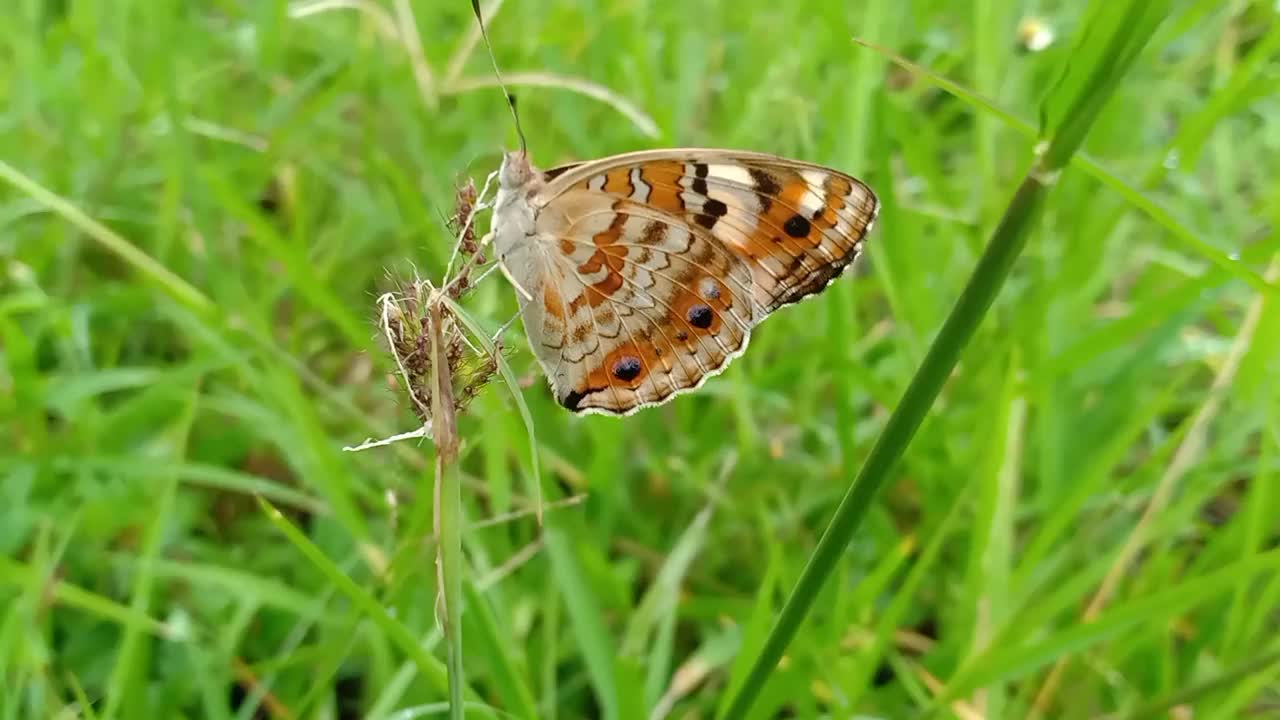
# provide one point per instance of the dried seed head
(464, 201)
(463, 225)
(406, 320)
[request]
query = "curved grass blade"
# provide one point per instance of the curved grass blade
(430, 668)
(1005, 663)
(99, 607)
(586, 620)
(625, 107)
(179, 289)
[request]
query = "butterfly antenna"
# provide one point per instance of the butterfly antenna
(511, 100)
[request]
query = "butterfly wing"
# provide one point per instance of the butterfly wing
(630, 304)
(649, 270)
(797, 225)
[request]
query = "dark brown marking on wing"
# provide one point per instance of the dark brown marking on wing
(555, 172)
(766, 187)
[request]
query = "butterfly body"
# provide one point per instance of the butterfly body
(641, 275)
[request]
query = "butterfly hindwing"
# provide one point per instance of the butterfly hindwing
(638, 305)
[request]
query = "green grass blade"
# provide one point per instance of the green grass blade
(1114, 34)
(430, 668)
(176, 287)
(585, 619)
(1003, 662)
(448, 506)
(1007, 242)
(905, 595)
(451, 569)
(125, 692)
(71, 596)
(753, 631)
(655, 612)
(508, 681)
(1252, 668)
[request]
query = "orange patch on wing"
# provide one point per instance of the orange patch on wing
(663, 179)
(770, 237)
(593, 263)
(611, 260)
(552, 302)
(608, 255)
(774, 236)
(695, 313)
(610, 235)
(600, 292)
(618, 181)
(836, 189)
(626, 366)
(837, 185)
(793, 195)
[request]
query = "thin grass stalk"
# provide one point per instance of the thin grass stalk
(363, 600)
(448, 508)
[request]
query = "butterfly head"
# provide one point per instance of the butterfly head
(516, 171)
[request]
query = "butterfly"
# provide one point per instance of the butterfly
(642, 275)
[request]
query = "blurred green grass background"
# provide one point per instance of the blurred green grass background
(260, 174)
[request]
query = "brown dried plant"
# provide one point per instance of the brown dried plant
(406, 316)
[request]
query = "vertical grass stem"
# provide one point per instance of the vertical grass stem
(448, 507)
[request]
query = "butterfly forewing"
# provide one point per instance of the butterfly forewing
(797, 225)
